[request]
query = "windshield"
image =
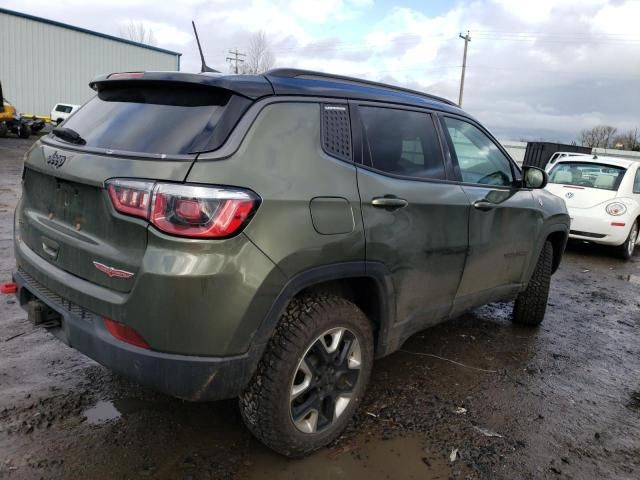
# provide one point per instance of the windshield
(584, 174)
(159, 119)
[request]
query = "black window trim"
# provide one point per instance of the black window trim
(358, 139)
(516, 172)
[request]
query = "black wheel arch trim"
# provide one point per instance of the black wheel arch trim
(546, 231)
(376, 271)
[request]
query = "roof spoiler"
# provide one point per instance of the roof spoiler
(249, 86)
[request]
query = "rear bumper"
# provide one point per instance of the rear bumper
(192, 378)
(597, 228)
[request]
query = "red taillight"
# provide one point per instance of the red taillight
(125, 333)
(132, 197)
(185, 210)
(201, 212)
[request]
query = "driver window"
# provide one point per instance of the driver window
(479, 158)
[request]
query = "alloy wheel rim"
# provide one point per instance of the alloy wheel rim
(324, 381)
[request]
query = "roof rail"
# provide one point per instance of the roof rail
(310, 74)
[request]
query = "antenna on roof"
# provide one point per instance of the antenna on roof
(204, 67)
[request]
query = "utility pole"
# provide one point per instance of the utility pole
(235, 59)
(467, 39)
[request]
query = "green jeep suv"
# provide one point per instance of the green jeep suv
(267, 236)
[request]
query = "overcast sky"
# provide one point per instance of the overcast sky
(537, 69)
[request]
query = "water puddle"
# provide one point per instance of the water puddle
(101, 412)
(105, 411)
(364, 457)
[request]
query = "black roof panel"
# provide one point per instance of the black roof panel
(292, 82)
(287, 81)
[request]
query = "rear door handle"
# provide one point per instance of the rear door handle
(484, 205)
(390, 203)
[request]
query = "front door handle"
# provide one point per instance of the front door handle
(484, 205)
(390, 203)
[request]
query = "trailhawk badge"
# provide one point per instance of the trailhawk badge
(56, 160)
(112, 272)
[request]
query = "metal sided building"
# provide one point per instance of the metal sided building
(44, 62)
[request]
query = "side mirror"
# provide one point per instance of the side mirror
(534, 177)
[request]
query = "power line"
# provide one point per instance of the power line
(236, 59)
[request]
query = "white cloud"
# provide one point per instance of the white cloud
(545, 67)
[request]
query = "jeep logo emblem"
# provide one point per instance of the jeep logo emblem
(56, 160)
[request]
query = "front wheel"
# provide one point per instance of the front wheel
(627, 248)
(531, 304)
(312, 377)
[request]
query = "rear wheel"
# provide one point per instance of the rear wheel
(628, 247)
(4, 130)
(531, 304)
(312, 377)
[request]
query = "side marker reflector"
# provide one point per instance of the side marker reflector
(125, 333)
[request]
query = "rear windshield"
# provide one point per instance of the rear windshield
(159, 119)
(582, 174)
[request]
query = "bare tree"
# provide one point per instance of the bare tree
(259, 58)
(599, 136)
(138, 32)
(629, 140)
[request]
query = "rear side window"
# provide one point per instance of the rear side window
(402, 142)
(63, 108)
(479, 158)
(157, 119)
(636, 182)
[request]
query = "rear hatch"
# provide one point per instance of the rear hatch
(585, 184)
(581, 197)
(132, 129)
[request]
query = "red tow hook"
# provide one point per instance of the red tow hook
(8, 288)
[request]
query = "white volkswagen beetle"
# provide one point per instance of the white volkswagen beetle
(602, 195)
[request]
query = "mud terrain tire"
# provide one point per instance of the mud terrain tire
(267, 403)
(531, 305)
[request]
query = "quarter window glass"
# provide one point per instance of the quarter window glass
(480, 160)
(636, 182)
(402, 142)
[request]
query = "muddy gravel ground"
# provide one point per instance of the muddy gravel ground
(477, 397)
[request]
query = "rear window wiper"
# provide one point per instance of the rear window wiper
(68, 135)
